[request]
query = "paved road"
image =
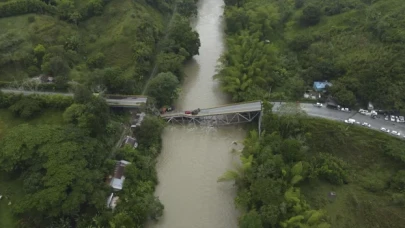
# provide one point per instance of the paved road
(310, 109)
(226, 109)
(337, 115)
(34, 92)
(125, 101)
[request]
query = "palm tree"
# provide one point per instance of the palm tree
(238, 174)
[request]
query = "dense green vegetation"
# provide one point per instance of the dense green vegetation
(59, 165)
(309, 172)
(109, 45)
(276, 49)
(57, 151)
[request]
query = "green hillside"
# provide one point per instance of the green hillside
(355, 44)
(57, 45)
(58, 152)
(107, 45)
(310, 172)
(314, 173)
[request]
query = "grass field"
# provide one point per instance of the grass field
(7, 120)
(113, 33)
(116, 30)
(366, 201)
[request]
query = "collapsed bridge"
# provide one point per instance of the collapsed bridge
(218, 116)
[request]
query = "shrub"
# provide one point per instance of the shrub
(372, 182)
(96, 61)
(26, 108)
(398, 181)
(13, 8)
(398, 199)
(33, 71)
(6, 100)
(299, 4)
(31, 19)
(331, 169)
(301, 42)
(311, 15)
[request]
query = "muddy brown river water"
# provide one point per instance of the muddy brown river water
(193, 157)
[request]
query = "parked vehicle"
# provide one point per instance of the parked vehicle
(319, 105)
(386, 118)
(350, 121)
(393, 118)
(395, 133)
(385, 130)
(187, 112)
(366, 124)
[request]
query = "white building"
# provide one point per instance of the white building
(118, 179)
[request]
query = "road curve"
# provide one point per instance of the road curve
(337, 115)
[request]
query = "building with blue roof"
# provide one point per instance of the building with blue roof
(321, 86)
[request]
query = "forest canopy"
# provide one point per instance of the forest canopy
(310, 172)
(356, 45)
(57, 151)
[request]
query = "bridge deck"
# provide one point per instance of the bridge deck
(222, 110)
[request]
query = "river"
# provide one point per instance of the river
(194, 157)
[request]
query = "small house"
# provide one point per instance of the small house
(118, 179)
(321, 86)
(130, 141)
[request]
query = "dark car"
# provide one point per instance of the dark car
(196, 111)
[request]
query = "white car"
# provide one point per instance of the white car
(350, 121)
(393, 118)
(386, 118)
(318, 105)
(385, 129)
(361, 110)
(358, 123)
(395, 133)
(366, 124)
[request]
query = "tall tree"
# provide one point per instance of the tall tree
(164, 88)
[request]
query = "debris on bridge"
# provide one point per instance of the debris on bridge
(224, 115)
